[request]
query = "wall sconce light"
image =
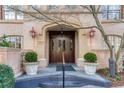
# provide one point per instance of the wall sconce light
(33, 33)
(91, 35)
(92, 32)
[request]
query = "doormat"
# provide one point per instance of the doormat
(66, 68)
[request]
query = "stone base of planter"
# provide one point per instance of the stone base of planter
(90, 68)
(43, 63)
(80, 62)
(31, 68)
(18, 74)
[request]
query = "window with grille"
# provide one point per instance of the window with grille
(53, 7)
(70, 7)
(115, 42)
(10, 14)
(14, 41)
(111, 12)
(36, 6)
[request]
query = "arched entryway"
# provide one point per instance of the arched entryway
(61, 38)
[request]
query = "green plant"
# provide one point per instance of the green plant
(90, 57)
(31, 56)
(4, 42)
(7, 79)
(117, 77)
(103, 71)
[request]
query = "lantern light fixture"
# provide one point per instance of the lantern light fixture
(33, 33)
(92, 32)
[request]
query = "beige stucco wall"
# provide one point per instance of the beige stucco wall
(39, 44)
(11, 28)
(11, 57)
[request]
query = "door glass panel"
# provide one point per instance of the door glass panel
(59, 45)
(52, 44)
(64, 45)
(71, 45)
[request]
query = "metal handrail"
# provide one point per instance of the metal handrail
(63, 57)
(63, 68)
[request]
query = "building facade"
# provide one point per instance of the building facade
(49, 39)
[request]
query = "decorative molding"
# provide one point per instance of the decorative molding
(11, 21)
(109, 21)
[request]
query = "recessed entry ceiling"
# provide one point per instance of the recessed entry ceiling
(61, 28)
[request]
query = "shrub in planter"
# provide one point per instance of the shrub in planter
(7, 79)
(31, 63)
(90, 57)
(90, 63)
(31, 57)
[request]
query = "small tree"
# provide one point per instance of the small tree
(113, 56)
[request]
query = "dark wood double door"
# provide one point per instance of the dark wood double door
(61, 42)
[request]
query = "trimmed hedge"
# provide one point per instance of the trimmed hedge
(31, 57)
(7, 79)
(90, 57)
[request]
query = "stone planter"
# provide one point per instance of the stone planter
(80, 62)
(43, 63)
(31, 68)
(90, 68)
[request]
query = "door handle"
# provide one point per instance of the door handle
(52, 45)
(63, 48)
(71, 47)
(59, 46)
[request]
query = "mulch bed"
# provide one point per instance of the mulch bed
(118, 83)
(115, 83)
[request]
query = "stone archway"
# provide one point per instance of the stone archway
(61, 42)
(58, 28)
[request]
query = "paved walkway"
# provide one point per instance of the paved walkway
(51, 71)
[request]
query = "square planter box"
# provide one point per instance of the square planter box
(12, 58)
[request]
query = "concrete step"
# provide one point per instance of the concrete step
(56, 81)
